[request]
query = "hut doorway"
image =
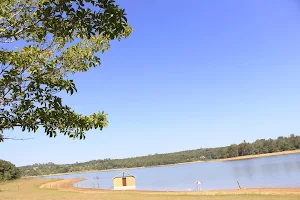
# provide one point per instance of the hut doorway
(124, 181)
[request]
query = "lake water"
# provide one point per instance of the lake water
(265, 172)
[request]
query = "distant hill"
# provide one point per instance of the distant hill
(261, 146)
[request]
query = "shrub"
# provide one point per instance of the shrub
(8, 171)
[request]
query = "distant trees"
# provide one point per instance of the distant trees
(258, 147)
(233, 151)
(8, 171)
(245, 149)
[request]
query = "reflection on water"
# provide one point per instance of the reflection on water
(274, 171)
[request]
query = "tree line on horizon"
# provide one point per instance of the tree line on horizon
(260, 146)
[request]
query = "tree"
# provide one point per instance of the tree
(233, 151)
(61, 37)
(245, 149)
(8, 171)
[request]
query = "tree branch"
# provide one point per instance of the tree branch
(8, 36)
(18, 12)
(23, 139)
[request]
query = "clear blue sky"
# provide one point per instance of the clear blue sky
(193, 74)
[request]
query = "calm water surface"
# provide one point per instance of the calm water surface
(271, 172)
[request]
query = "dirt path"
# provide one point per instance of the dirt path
(67, 185)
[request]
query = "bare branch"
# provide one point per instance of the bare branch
(23, 139)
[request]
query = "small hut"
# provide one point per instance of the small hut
(124, 181)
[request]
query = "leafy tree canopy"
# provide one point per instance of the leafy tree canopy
(8, 171)
(61, 37)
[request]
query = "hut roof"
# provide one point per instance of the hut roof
(123, 175)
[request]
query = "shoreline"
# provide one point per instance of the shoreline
(257, 156)
(68, 185)
(215, 160)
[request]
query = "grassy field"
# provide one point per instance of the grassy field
(35, 189)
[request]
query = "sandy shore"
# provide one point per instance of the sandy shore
(67, 185)
(216, 160)
(257, 156)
